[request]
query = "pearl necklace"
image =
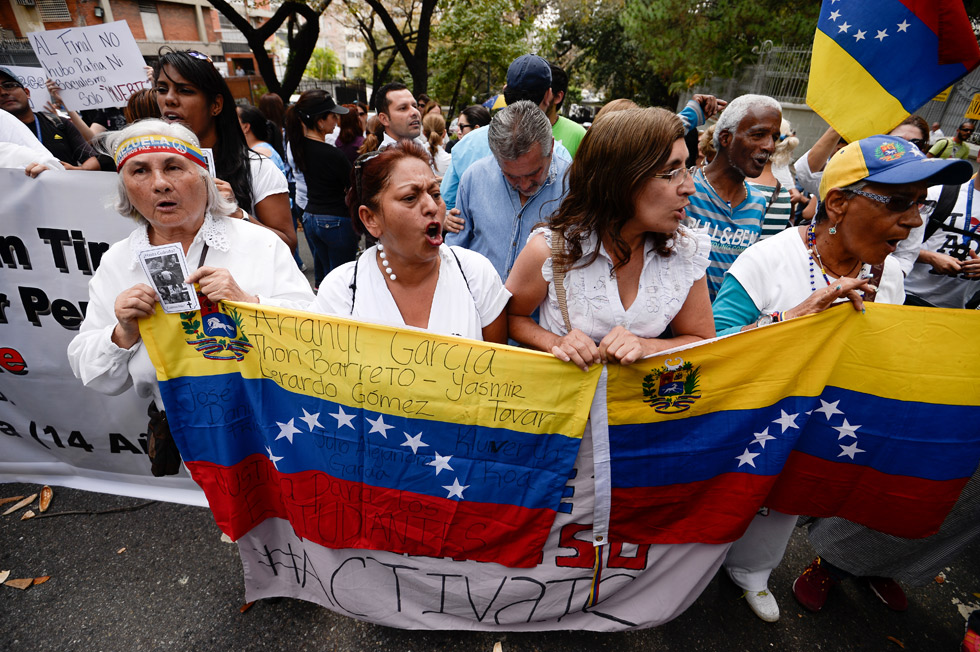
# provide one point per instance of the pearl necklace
(811, 243)
(385, 263)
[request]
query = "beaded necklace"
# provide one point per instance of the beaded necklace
(811, 243)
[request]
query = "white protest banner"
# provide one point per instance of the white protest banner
(53, 429)
(33, 80)
(96, 67)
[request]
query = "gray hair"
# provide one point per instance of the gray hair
(738, 109)
(110, 140)
(517, 128)
(784, 148)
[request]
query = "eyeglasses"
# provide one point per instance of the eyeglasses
(676, 177)
(918, 142)
(10, 85)
(359, 169)
(463, 126)
(899, 204)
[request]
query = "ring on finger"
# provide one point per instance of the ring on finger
(838, 288)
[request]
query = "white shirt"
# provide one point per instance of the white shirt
(808, 180)
(935, 136)
(939, 289)
(468, 297)
(776, 274)
(256, 257)
(441, 161)
(267, 179)
(592, 294)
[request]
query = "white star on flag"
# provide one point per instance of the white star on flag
(761, 438)
(456, 489)
(850, 451)
(882, 33)
(273, 458)
(828, 409)
(787, 420)
(378, 425)
(344, 419)
(287, 430)
(415, 442)
(441, 462)
(834, 16)
(846, 430)
(843, 28)
(903, 26)
(746, 458)
(312, 420)
(859, 36)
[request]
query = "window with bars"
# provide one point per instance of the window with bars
(53, 11)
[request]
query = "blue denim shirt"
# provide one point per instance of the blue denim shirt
(497, 226)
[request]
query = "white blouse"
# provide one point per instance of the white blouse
(592, 294)
(468, 297)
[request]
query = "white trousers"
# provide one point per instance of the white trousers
(753, 557)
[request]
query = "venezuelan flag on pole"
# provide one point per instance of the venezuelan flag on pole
(870, 417)
(876, 61)
(364, 436)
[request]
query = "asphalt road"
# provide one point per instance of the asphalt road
(160, 578)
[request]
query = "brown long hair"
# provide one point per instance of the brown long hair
(613, 162)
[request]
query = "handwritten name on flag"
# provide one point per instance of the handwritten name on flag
(365, 436)
(868, 417)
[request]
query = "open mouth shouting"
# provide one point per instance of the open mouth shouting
(433, 233)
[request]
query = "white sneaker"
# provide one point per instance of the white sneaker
(763, 604)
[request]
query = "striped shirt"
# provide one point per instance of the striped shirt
(731, 230)
(777, 216)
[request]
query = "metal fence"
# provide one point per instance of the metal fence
(344, 91)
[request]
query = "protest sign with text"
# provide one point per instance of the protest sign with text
(96, 67)
(33, 80)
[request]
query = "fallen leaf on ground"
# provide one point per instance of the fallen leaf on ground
(11, 499)
(46, 495)
(42, 579)
(20, 583)
(497, 647)
(896, 641)
(121, 550)
(226, 539)
(4, 575)
(940, 578)
(24, 503)
(28, 514)
(245, 607)
(976, 595)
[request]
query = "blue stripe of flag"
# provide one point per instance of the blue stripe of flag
(895, 437)
(215, 417)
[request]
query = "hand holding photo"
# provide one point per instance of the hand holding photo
(166, 268)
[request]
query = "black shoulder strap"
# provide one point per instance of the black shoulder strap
(772, 198)
(944, 206)
(353, 284)
(465, 280)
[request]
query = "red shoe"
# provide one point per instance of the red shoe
(889, 592)
(813, 586)
(971, 642)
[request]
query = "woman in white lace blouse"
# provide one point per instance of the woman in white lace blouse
(631, 269)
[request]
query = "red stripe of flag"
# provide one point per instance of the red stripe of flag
(341, 514)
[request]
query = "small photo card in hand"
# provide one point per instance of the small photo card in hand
(166, 268)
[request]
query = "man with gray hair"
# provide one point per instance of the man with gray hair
(724, 203)
(504, 195)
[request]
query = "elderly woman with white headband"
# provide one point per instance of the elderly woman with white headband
(165, 188)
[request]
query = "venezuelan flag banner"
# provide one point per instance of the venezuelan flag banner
(871, 417)
(363, 436)
(876, 61)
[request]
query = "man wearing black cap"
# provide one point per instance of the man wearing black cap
(57, 134)
(528, 78)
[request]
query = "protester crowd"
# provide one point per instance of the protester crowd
(647, 231)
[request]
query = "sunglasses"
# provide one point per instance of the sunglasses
(676, 177)
(899, 204)
(362, 113)
(199, 55)
(359, 170)
(10, 85)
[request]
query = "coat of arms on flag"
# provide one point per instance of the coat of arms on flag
(672, 387)
(217, 334)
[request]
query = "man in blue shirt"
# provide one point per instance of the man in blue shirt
(503, 196)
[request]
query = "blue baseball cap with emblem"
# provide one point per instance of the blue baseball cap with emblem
(891, 160)
(530, 73)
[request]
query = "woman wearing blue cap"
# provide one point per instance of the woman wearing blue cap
(871, 196)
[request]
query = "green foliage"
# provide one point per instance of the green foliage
(474, 39)
(686, 41)
(323, 64)
(596, 52)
